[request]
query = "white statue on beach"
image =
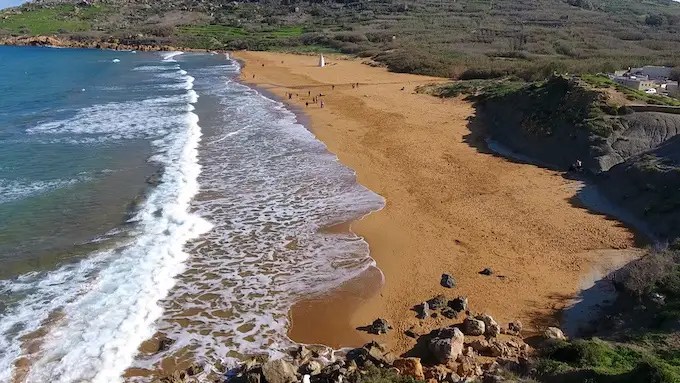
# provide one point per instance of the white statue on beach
(322, 62)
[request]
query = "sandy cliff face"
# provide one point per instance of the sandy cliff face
(635, 156)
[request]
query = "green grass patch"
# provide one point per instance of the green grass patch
(225, 32)
(598, 361)
(63, 18)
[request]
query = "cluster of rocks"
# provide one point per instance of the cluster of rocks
(113, 44)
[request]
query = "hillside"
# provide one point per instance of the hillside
(464, 38)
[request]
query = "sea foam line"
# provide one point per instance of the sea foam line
(106, 305)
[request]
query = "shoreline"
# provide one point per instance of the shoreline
(335, 306)
(412, 241)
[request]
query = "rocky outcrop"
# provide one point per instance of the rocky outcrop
(65, 42)
(410, 367)
(447, 345)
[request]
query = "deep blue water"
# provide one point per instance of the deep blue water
(95, 261)
(73, 147)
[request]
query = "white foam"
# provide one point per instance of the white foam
(11, 190)
(108, 302)
(169, 56)
(268, 186)
(115, 60)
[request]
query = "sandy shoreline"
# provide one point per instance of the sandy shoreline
(451, 207)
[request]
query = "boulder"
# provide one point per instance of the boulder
(437, 373)
(438, 302)
(448, 347)
(450, 313)
(448, 281)
(378, 354)
(554, 333)
(455, 378)
(486, 318)
(492, 330)
(279, 371)
(480, 345)
(313, 367)
(379, 326)
(497, 349)
(410, 367)
(486, 271)
(468, 367)
(459, 304)
(423, 310)
(473, 327)
(515, 327)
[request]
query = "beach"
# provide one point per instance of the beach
(452, 206)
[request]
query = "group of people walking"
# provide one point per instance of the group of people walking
(317, 98)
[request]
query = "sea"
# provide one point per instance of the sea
(155, 211)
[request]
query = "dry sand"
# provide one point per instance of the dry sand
(451, 206)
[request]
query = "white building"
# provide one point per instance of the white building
(653, 72)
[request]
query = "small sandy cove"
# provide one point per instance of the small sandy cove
(451, 206)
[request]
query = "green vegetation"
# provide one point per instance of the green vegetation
(630, 94)
(466, 39)
(58, 19)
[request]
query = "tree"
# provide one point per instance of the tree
(654, 20)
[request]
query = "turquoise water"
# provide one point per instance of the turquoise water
(212, 256)
(65, 179)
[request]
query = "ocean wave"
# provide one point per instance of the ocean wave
(268, 186)
(88, 319)
(119, 120)
(12, 190)
(169, 56)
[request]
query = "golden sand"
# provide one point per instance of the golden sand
(451, 206)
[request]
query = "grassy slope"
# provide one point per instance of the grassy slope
(466, 38)
(60, 19)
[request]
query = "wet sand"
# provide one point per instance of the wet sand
(451, 206)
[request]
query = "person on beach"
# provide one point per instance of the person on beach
(309, 93)
(322, 104)
(290, 95)
(332, 87)
(307, 104)
(352, 85)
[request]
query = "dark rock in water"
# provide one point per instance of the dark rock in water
(158, 213)
(164, 344)
(448, 281)
(279, 371)
(449, 313)
(379, 326)
(437, 302)
(459, 304)
(486, 271)
(423, 310)
(154, 179)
